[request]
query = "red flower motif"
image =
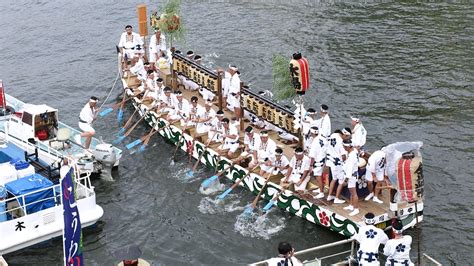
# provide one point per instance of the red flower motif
(323, 218)
(189, 146)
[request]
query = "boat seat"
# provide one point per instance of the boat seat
(62, 137)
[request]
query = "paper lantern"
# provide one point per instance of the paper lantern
(299, 72)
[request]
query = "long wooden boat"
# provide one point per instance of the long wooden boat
(317, 211)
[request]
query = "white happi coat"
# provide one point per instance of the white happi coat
(369, 238)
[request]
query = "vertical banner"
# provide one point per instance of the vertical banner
(3, 101)
(72, 235)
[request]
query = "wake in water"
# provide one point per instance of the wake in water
(257, 225)
(213, 205)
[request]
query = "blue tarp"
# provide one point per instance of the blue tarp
(30, 184)
(4, 158)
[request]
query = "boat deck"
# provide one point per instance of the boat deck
(364, 206)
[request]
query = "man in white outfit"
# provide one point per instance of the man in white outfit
(265, 148)
(286, 256)
(231, 139)
(397, 249)
(279, 163)
(350, 176)
(204, 118)
(369, 238)
(324, 123)
(86, 117)
(251, 144)
(128, 41)
(180, 109)
(335, 157)
(157, 47)
(317, 153)
(359, 134)
(231, 90)
(298, 171)
(376, 171)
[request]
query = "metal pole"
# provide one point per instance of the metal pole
(241, 115)
(301, 137)
(219, 88)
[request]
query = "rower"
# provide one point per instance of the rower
(359, 134)
(193, 110)
(298, 171)
(397, 249)
(204, 118)
(180, 110)
(265, 148)
(151, 95)
(128, 41)
(86, 118)
(317, 154)
(376, 171)
(160, 86)
(217, 129)
(286, 256)
(369, 238)
(168, 100)
(251, 144)
(335, 156)
(279, 163)
(190, 55)
(350, 177)
(157, 47)
(230, 139)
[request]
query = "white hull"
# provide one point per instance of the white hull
(44, 225)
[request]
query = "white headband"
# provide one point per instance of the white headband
(370, 221)
(355, 119)
(298, 153)
(345, 132)
(234, 68)
(92, 101)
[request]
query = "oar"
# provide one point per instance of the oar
(120, 112)
(273, 200)
(225, 193)
(208, 181)
(120, 138)
(190, 173)
(179, 141)
(144, 138)
(124, 128)
(249, 209)
(109, 110)
(145, 142)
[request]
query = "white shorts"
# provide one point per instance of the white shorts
(379, 175)
(337, 173)
(86, 127)
(318, 170)
(351, 183)
(232, 147)
(232, 102)
(190, 85)
(202, 128)
(295, 178)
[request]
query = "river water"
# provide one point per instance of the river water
(405, 68)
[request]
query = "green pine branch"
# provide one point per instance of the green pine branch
(281, 78)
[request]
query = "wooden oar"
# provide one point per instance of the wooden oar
(120, 138)
(249, 209)
(273, 200)
(120, 112)
(109, 110)
(127, 124)
(207, 182)
(179, 140)
(145, 138)
(190, 173)
(225, 193)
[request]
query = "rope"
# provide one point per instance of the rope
(111, 89)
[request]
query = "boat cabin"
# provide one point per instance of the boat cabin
(35, 121)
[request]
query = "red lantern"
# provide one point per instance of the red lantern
(299, 72)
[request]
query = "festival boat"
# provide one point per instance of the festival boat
(31, 202)
(405, 200)
(38, 127)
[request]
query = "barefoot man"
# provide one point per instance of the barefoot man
(86, 117)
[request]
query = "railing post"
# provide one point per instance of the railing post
(241, 116)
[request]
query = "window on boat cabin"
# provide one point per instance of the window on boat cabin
(27, 118)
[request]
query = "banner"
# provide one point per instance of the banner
(3, 100)
(72, 235)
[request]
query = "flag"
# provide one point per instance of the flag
(72, 233)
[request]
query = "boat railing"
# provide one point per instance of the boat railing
(343, 250)
(83, 189)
